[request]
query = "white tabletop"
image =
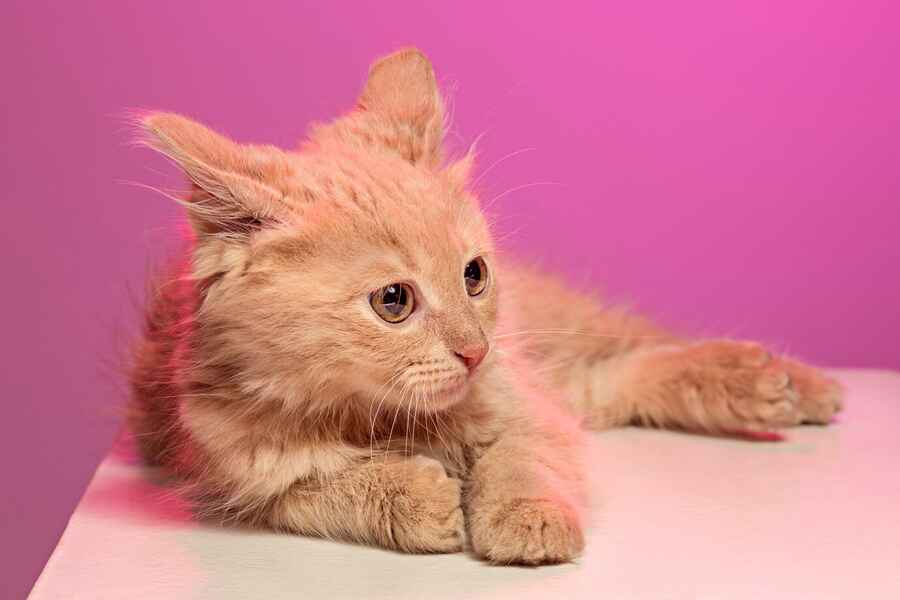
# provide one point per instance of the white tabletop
(676, 516)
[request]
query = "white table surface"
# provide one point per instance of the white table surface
(675, 516)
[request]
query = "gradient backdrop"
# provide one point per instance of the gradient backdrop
(730, 167)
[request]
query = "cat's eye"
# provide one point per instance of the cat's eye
(476, 276)
(394, 302)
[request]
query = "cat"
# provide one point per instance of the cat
(343, 352)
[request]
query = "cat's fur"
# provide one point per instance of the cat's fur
(267, 384)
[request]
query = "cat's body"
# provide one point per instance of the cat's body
(345, 354)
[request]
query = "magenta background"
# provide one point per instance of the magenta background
(731, 169)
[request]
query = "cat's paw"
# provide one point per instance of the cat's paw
(528, 531)
(425, 510)
(760, 395)
(819, 397)
(744, 387)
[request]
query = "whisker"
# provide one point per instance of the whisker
(415, 416)
(403, 396)
(430, 394)
(574, 332)
(506, 235)
(517, 188)
(393, 382)
(408, 414)
(499, 161)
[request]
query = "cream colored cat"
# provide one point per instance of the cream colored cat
(344, 353)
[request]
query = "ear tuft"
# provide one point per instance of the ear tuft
(236, 187)
(459, 172)
(184, 140)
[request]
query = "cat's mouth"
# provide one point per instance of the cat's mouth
(447, 392)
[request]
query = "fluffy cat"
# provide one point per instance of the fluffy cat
(344, 353)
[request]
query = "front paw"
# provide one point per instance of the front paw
(527, 531)
(425, 510)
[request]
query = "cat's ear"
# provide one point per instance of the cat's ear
(459, 172)
(402, 92)
(236, 188)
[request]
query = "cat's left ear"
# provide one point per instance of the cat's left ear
(402, 95)
(236, 187)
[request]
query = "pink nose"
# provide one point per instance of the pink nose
(472, 355)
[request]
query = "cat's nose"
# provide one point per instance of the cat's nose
(472, 355)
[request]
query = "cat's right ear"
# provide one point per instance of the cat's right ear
(235, 188)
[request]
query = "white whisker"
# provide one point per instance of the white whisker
(524, 186)
(393, 382)
(574, 332)
(499, 161)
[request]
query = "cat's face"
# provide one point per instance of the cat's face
(397, 299)
(359, 267)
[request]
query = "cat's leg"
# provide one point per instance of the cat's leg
(524, 495)
(617, 368)
(712, 386)
(318, 487)
(407, 504)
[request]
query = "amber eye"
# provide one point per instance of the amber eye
(393, 303)
(476, 276)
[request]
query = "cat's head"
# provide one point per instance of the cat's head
(360, 265)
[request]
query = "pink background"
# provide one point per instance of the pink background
(730, 169)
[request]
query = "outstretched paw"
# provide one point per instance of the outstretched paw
(819, 397)
(743, 387)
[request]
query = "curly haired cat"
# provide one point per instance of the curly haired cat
(344, 353)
